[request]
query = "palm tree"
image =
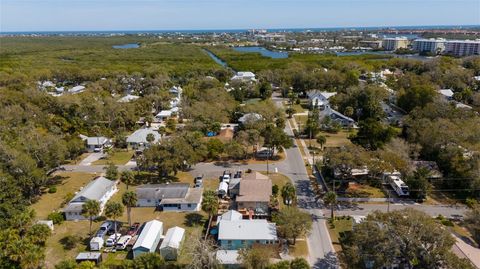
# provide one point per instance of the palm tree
(162, 130)
(129, 199)
(321, 139)
(127, 177)
(288, 193)
(330, 198)
(90, 210)
(150, 138)
(114, 210)
(209, 205)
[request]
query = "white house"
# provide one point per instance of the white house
(338, 117)
(100, 189)
(170, 197)
(49, 223)
(163, 115)
(171, 243)
(97, 143)
(77, 89)
(446, 93)
(237, 233)
(128, 98)
(138, 139)
(149, 238)
(250, 117)
(244, 76)
(319, 98)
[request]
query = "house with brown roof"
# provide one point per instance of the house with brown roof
(254, 194)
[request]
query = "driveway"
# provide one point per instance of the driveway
(95, 156)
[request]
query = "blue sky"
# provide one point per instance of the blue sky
(74, 15)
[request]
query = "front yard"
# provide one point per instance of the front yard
(336, 230)
(117, 157)
(66, 183)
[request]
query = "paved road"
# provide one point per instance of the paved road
(450, 211)
(322, 254)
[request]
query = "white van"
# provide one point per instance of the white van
(96, 243)
(123, 241)
(111, 240)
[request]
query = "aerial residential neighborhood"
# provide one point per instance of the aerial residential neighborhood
(239, 134)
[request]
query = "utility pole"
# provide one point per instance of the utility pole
(268, 155)
(388, 202)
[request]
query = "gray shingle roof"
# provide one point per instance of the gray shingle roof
(95, 190)
(162, 191)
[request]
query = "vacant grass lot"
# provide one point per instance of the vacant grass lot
(66, 183)
(117, 157)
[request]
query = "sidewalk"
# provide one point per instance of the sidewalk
(304, 149)
(461, 248)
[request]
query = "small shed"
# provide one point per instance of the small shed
(222, 188)
(95, 257)
(96, 243)
(171, 244)
(149, 238)
(49, 223)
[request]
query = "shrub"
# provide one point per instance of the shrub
(70, 241)
(69, 196)
(52, 189)
(447, 222)
(56, 217)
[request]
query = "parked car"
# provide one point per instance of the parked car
(226, 177)
(123, 241)
(112, 240)
(112, 227)
(133, 229)
(104, 228)
(199, 179)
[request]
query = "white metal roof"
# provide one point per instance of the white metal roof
(88, 255)
(164, 113)
(96, 140)
(256, 229)
(77, 89)
(231, 215)
(173, 238)
(148, 235)
(140, 136)
(127, 98)
(446, 92)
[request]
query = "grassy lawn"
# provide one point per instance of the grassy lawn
(362, 190)
(300, 249)
(301, 120)
(337, 140)
(118, 157)
(68, 183)
(277, 179)
(55, 251)
(341, 225)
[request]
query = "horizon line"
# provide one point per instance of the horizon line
(250, 28)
